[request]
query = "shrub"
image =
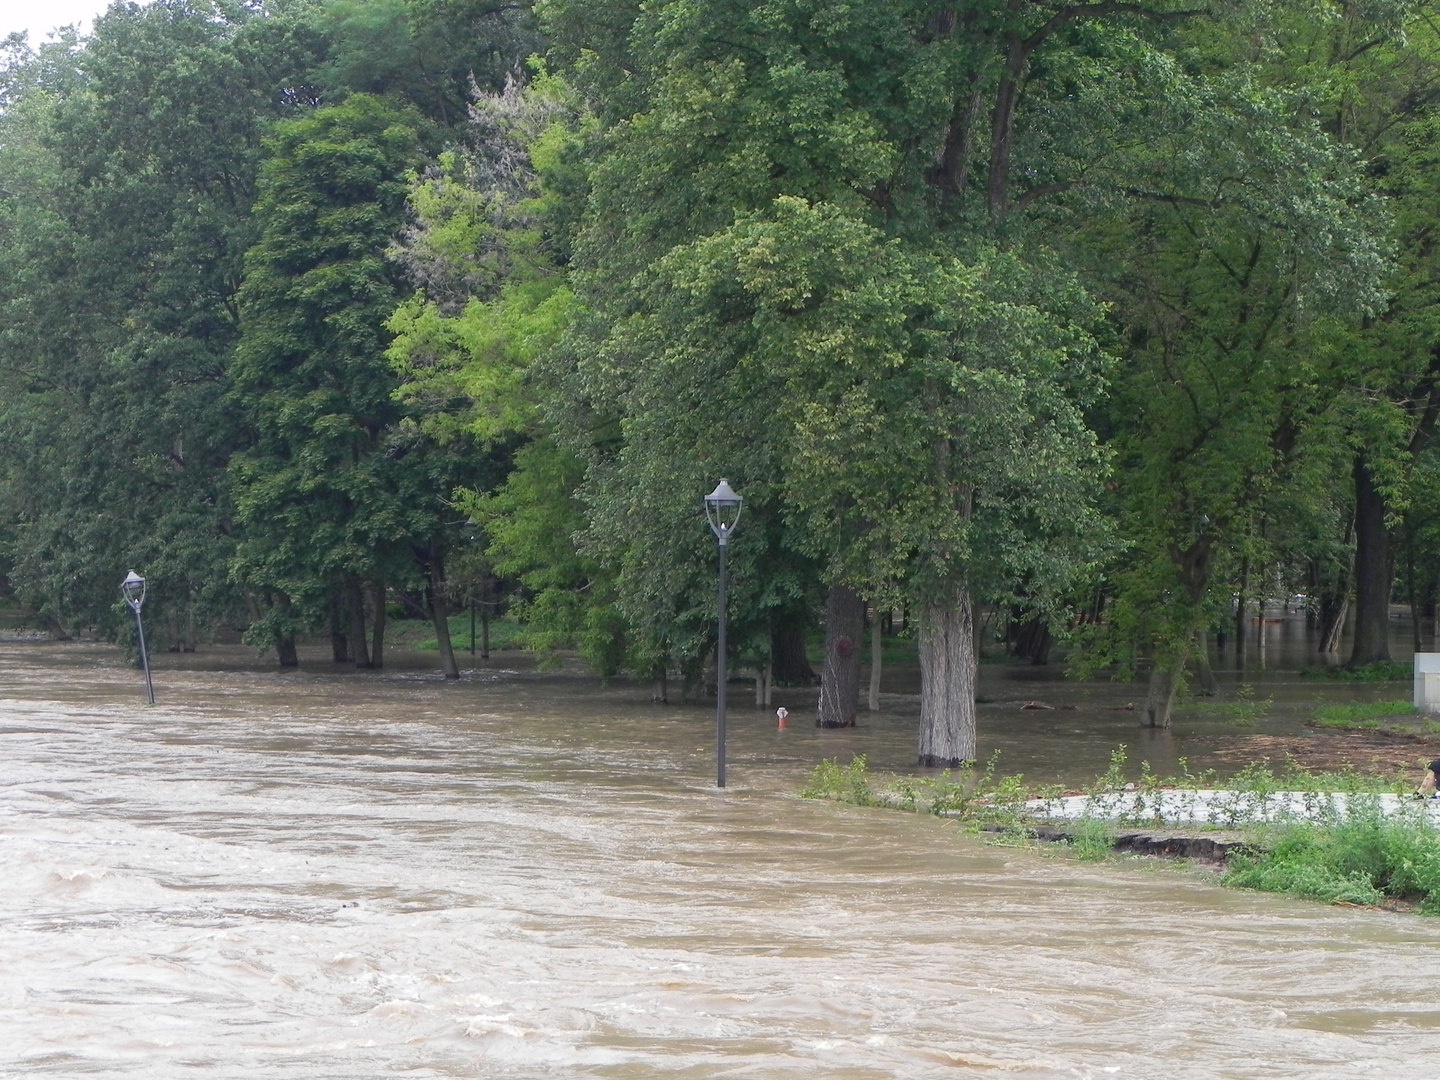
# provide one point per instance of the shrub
(1361, 857)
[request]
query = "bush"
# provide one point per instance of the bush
(1361, 858)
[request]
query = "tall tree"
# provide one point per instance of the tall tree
(325, 496)
(129, 163)
(744, 141)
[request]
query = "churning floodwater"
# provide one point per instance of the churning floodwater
(336, 874)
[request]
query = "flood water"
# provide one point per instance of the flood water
(337, 874)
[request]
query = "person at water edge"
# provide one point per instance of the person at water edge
(1427, 786)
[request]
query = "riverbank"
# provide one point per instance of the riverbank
(1338, 837)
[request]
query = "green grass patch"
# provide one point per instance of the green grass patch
(1242, 711)
(420, 634)
(1362, 715)
(1364, 857)
(1380, 671)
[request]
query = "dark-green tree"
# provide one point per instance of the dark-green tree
(326, 497)
(128, 170)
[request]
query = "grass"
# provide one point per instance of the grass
(1362, 715)
(1380, 671)
(1243, 711)
(420, 634)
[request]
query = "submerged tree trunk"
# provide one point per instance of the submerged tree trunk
(339, 642)
(285, 649)
(1192, 564)
(357, 625)
(877, 651)
(1372, 572)
(1204, 674)
(947, 683)
(285, 636)
(1330, 635)
(439, 614)
(840, 683)
(787, 654)
(1160, 697)
(1242, 612)
(377, 647)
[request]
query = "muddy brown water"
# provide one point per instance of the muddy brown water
(334, 874)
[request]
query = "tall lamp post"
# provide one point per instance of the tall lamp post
(722, 508)
(133, 589)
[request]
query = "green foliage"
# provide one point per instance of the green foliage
(845, 783)
(1243, 711)
(328, 490)
(128, 164)
(1360, 858)
(983, 797)
(1090, 839)
(427, 52)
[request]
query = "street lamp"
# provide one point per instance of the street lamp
(722, 508)
(133, 590)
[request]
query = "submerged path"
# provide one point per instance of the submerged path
(309, 875)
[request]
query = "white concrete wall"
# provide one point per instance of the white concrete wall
(1427, 682)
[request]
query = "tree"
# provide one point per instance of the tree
(326, 497)
(127, 185)
(937, 143)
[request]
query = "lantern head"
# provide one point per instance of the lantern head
(722, 508)
(133, 589)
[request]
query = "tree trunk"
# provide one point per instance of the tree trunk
(285, 639)
(1372, 572)
(877, 651)
(1203, 672)
(1242, 604)
(787, 652)
(1160, 698)
(439, 614)
(1033, 641)
(1193, 565)
(377, 648)
(1414, 597)
(285, 649)
(658, 685)
(947, 683)
(840, 683)
(357, 625)
(339, 643)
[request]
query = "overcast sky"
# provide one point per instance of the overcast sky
(41, 16)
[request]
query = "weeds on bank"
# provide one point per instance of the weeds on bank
(964, 793)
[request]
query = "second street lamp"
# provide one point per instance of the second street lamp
(722, 508)
(133, 590)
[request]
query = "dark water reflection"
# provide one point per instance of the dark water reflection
(336, 874)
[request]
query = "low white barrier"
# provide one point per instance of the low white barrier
(1221, 807)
